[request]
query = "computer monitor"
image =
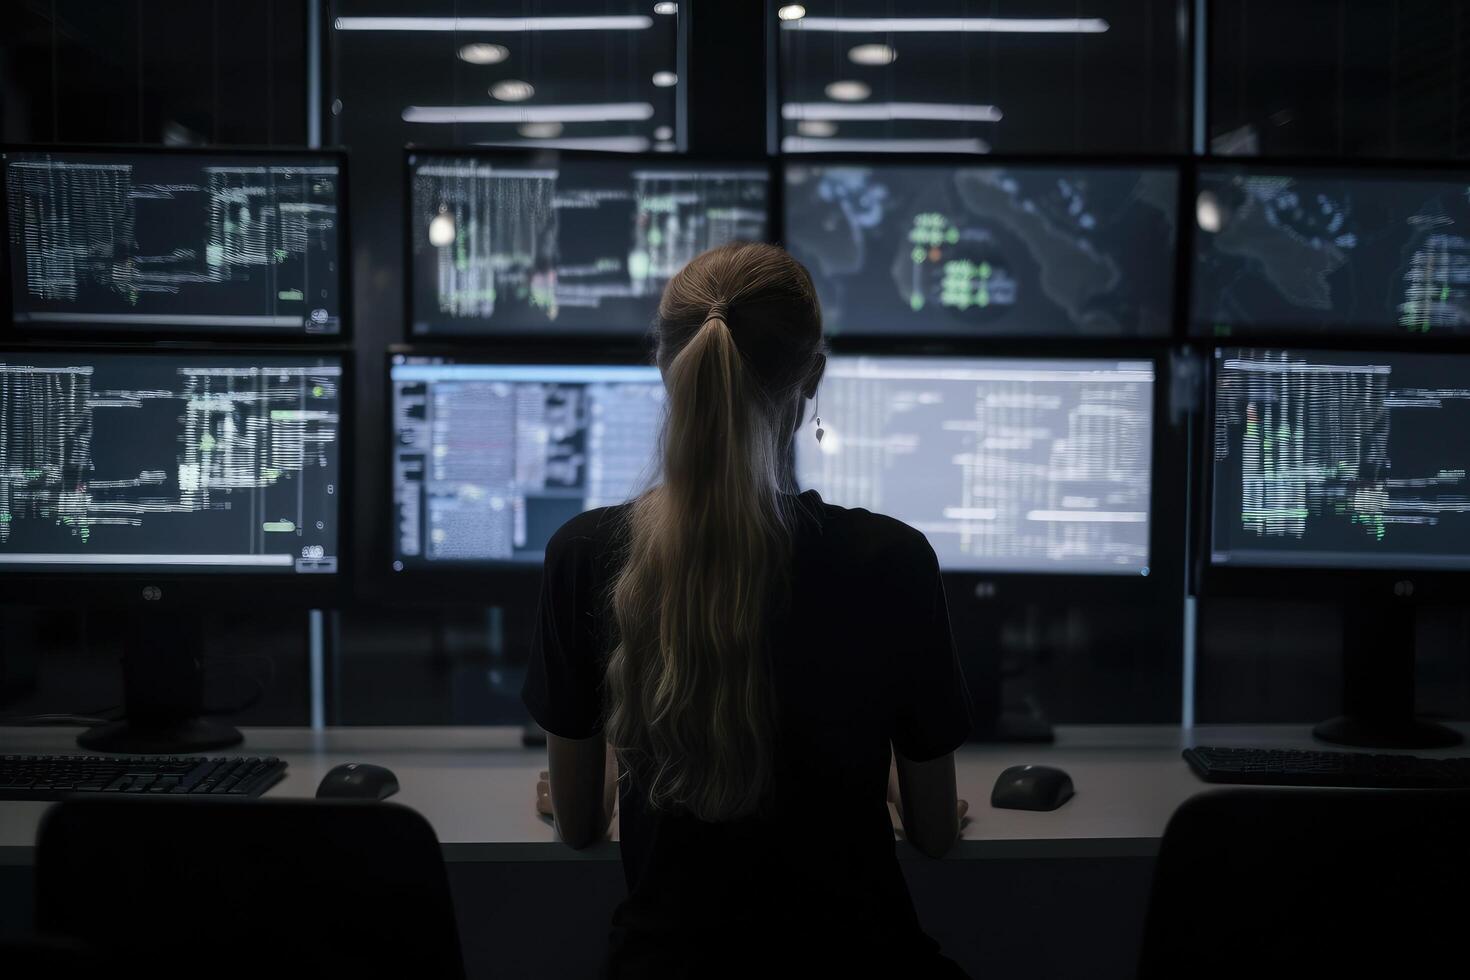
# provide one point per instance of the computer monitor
(161, 464)
(1342, 475)
(170, 483)
(1340, 461)
(1007, 465)
(965, 249)
(491, 457)
(173, 241)
(1297, 249)
(501, 242)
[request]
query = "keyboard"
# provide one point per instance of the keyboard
(54, 777)
(1285, 767)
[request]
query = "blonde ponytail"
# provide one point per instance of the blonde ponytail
(689, 680)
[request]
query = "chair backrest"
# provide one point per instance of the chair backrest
(204, 888)
(53, 957)
(1299, 882)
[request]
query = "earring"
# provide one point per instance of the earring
(820, 431)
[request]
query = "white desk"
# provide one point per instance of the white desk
(1002, 905)
(476, 786)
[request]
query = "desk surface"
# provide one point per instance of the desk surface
(476, 786)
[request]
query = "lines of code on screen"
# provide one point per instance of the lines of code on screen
(174, 242)
(581, 246)
(986, 251)
(119, 462)
(1005, 465)
(1300, 251)
(1344, 460)
(490, 459)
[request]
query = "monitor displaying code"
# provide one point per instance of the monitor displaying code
(1290, 250)
(951, 250)
(117, 462)
(1341, 460)
(182, 241)
(489, 460)
(1006, 465)
(569, 244)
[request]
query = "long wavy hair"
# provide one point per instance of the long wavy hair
(708, 547)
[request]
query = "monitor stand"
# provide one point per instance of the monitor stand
(163, 691)
(1378, 682)
(1030, 725)
(1001, 713)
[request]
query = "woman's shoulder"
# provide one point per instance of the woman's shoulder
(589, 532)
(875, 534)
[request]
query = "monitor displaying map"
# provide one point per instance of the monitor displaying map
(1283, 250)
(1022, 250)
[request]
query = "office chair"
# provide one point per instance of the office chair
(1311, 883)
(244, 888)
(50, 957)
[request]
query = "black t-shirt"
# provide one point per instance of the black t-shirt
(861, 658)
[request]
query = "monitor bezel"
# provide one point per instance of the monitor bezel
(1179, 164)
(1165, 561)
(15, 331)
(486, 583)
(227, 589)
(551, 156)
(1342, 584)
(1388, 338)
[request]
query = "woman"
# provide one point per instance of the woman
(754, 658)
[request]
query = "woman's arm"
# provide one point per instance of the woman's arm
(927, 803)
(583, 777)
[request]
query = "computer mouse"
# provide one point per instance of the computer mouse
(357, 781)
(1031, 788)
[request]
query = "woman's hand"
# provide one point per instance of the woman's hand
(543, 794)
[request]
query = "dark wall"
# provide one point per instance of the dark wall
(154, 71)
(1383, 78)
